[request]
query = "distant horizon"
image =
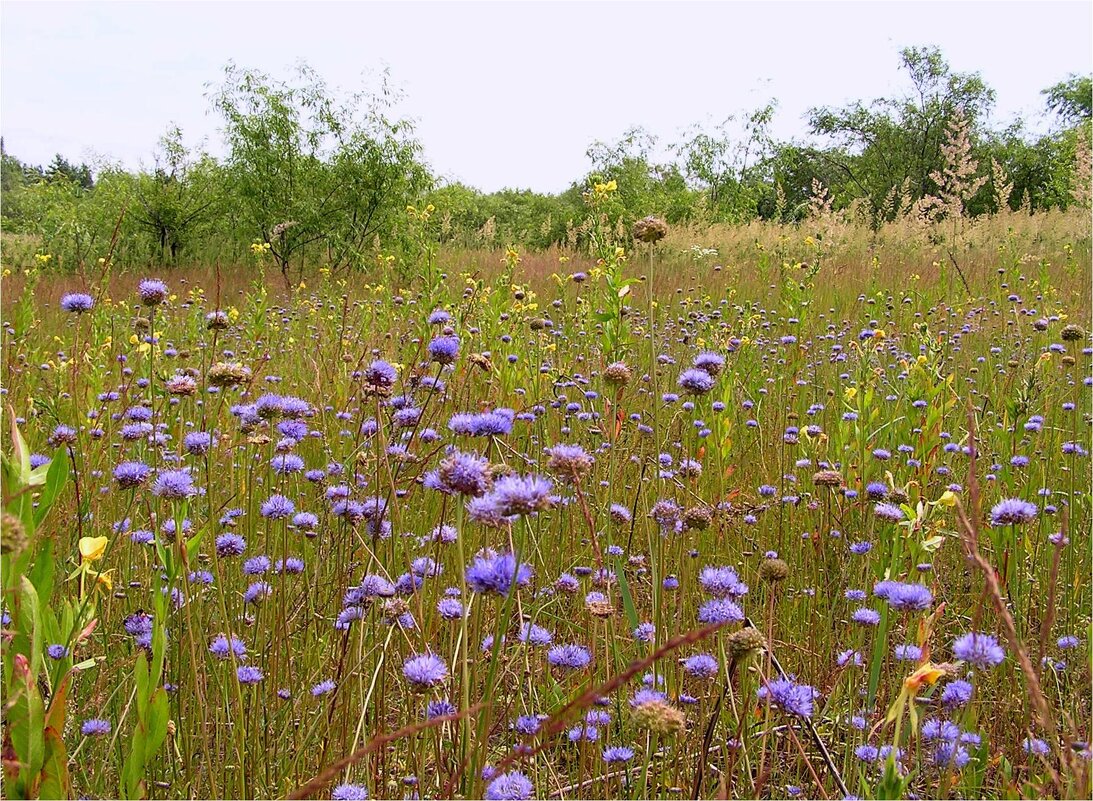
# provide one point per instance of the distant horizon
(494, 107)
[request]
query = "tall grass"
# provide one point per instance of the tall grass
(832, 452)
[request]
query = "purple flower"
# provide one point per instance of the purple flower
(174, 485)
(152, 292)
(956, 693)
(866, 616)
(1035, 746)
(617, 754)
(230, 545)
(789, 696)
(511, 786)
(980, 650)
(696, 381)
(889, 512)
(721, 582)
(876, 490)
(286, 463)
(323, 688)
(569, 657)
(464, 474)
(131, 474)
(349, 792)
(719, 611)
(444, 349)
(910, 597)
(96, 727)
(249, 674)
(701, 665)
(197, 443)
(380, 374)
(221, 647)
(77, 302)
(277, 507)
(1012, 511)
(520, 495)
(908, 653)
(495, 573)
(709, 362)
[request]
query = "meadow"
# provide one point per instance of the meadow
(738, 512)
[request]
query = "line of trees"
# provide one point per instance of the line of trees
(311, 176)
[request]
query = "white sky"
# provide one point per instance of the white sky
(505, 94)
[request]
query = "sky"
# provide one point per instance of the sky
(505, 94)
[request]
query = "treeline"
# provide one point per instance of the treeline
(315, 178)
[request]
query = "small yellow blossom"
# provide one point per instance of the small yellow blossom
(93, 548)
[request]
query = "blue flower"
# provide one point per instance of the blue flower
(95, 727)
(349, 792)
(174, 485)
(569, 657)
(980, 650)
(77, 302)
(425, 670)
(131, 474)
(152, 292)
(1012, 511)
(696, 381)
(789, 696)
(277, 507)
(444, 349)
(511, 786)
(495, 573)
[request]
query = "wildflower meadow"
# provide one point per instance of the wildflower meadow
(637, 527)
(764, 473)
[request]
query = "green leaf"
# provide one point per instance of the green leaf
(55, 779)
(29, 611)
(26, 723)
(20, 450)
(157, 721)
(627, 599)
(54, 480)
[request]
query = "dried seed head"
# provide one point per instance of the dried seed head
(181, 385)
(1072, 333)
(898, 495)
(600, 608)
(13, 536)
(697, 517)
(773, 571)
(650, 229)
(827, 478)
(660, 717)
(746, 642)
(617, 374)
(228, 374)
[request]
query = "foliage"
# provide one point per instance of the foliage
(309, 171)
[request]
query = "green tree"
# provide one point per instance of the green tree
(1072, 99)
(180, 192)
(309, 172)
(731, 163)
(881, 145)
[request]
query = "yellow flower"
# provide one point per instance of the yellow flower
(927, 674)
(880, 333)
(948, 498)
(93, 548)
(105, 579)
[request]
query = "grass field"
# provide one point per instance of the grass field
(807, 516)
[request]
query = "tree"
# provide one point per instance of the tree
(307, 171)
(731, 163)
(1072, 99)
(896, 141)
(178, 194)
